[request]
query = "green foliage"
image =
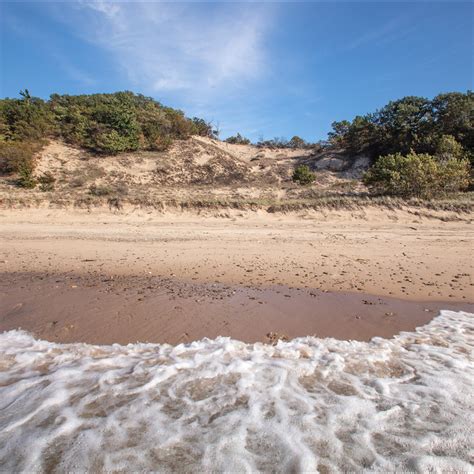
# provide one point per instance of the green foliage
(103, 123)
(448, 148)
(417, 175)
(303, 175)
(411, 123)
(339, 133)
(26, 119)
(238, 140)
(26, 178)
(453, 113)
(203, 128)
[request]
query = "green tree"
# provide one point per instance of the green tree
(448, 148)
(297, 142)
(411, 123)
(454, 115)
(339, 134)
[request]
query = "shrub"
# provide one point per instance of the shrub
(161, 143)
(418, 175)
(203, 128)
(26, 178)
(103, 123)
(303, 175)
(47, 181)
(98, 190)
(111, 141)
(77, 182)
(238, 140)
(121, 188)
(19, 157)
(277, 142)
(16, 155)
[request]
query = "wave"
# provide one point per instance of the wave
(223, 405)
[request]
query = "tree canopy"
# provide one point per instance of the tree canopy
(409, 124)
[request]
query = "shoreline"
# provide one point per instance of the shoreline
(391, 254)
(105, 278)
(98, 309)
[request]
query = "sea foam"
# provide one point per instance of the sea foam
(222, 405)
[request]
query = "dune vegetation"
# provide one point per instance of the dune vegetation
(413, 147)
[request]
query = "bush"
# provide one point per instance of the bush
(15, 156)
(98, 190)
(160, 143)
(277, 142)
(418, 175)
(303, 175)
(238, 140)
(203, 128)
(103, 123)
(26, 178)
(47, 181)
(77, 182)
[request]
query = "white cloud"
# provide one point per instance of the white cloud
(108, 8)
(194, 50)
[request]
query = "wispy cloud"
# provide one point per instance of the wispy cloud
(181, 47)
(393, 30)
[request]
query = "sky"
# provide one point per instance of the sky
(271, 69)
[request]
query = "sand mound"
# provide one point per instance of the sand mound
(196, 169)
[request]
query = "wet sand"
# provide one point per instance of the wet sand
(100, 277)
(127, 309)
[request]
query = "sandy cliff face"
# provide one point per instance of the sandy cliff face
(194, 169)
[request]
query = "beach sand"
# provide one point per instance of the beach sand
(100, 277)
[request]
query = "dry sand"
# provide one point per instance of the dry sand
(103, 277)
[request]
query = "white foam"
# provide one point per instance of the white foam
(222, 405)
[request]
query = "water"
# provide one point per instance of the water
(222, 405)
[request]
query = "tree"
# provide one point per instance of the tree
(339, 133)
(411, 123)
(25, 94)
(404, 123)
(454, 115)
(448, 148)
(297, 142)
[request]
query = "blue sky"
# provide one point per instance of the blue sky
(263, 69)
